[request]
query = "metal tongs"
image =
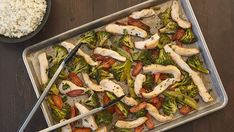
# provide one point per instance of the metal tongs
(47, 89)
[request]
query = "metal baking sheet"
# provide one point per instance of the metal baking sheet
(212, 80)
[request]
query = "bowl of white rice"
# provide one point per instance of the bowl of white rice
(20, 20)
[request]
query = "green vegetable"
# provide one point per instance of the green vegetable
(163, 40)
(123, 53)
(122, 130)
(54, 90)
(104, 117)
(120, 105)
(145, 56)
(140, 113)
(182, 98)
(102, 36)
(149, 82)
(60, 53)
(164, 58)
(169, 106)
(165, 16)
(89, 38)
(127, 41)
(189, 90)
(185, 81)
(132, 92)
(63, 74)
(170, 28)
(78, 65)
(189, 37)
(121, 71)
(93, 100)
(99, 74)
(195, 63)
(58, 114)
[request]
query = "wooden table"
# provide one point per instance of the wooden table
(216, 19)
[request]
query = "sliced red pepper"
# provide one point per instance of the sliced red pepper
(149, 122)
(138, 107)
(83, 129)
(139, 128)
(57, 101)
(74, 93)
(108, 63)
(106, 100)
(184, 110)
(157, 102)
(137, 69)
(75, 79)
(178, 35)
(156, 77)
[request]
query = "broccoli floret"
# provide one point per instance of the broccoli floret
(189, 90)
(121, 71)
(93, 100)
(122, 107)
(54, 90)
(181, 98)
(63, 74)
(122, 130)
(99, 74)
(104, 117)
(145, 56)
(60, 53)
(170, 28)
(189, 37)
(149, 82)
(140, 113)
(102, 36)
(78, 65)
(163, 40)
(89, 38)
(123, 53)
(127, 41)
(58, 114)
(195, 63)
(165, 16)
(185, 81)
(164, 58)
(169, 106)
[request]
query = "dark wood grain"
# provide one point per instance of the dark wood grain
(215, 17)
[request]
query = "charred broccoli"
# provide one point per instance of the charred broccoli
(140, 113)
(195, 63)
(127, 41)
(102, 36)
(145, 56)
(78, 65)
(169, 106)
(185, 81)
(181, 98)
(170, 28)
(165, 16)
(63, 74)
(104, 117)
(189, 90)
(89, 38)
(123, 53)
(189, 37)
(60, 53)
(149, 82)
(93, 100)
(98, 73)
(121, 71)
(120, 105)
(163, 40)
(164, 58)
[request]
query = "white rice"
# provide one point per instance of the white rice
(20, 17)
